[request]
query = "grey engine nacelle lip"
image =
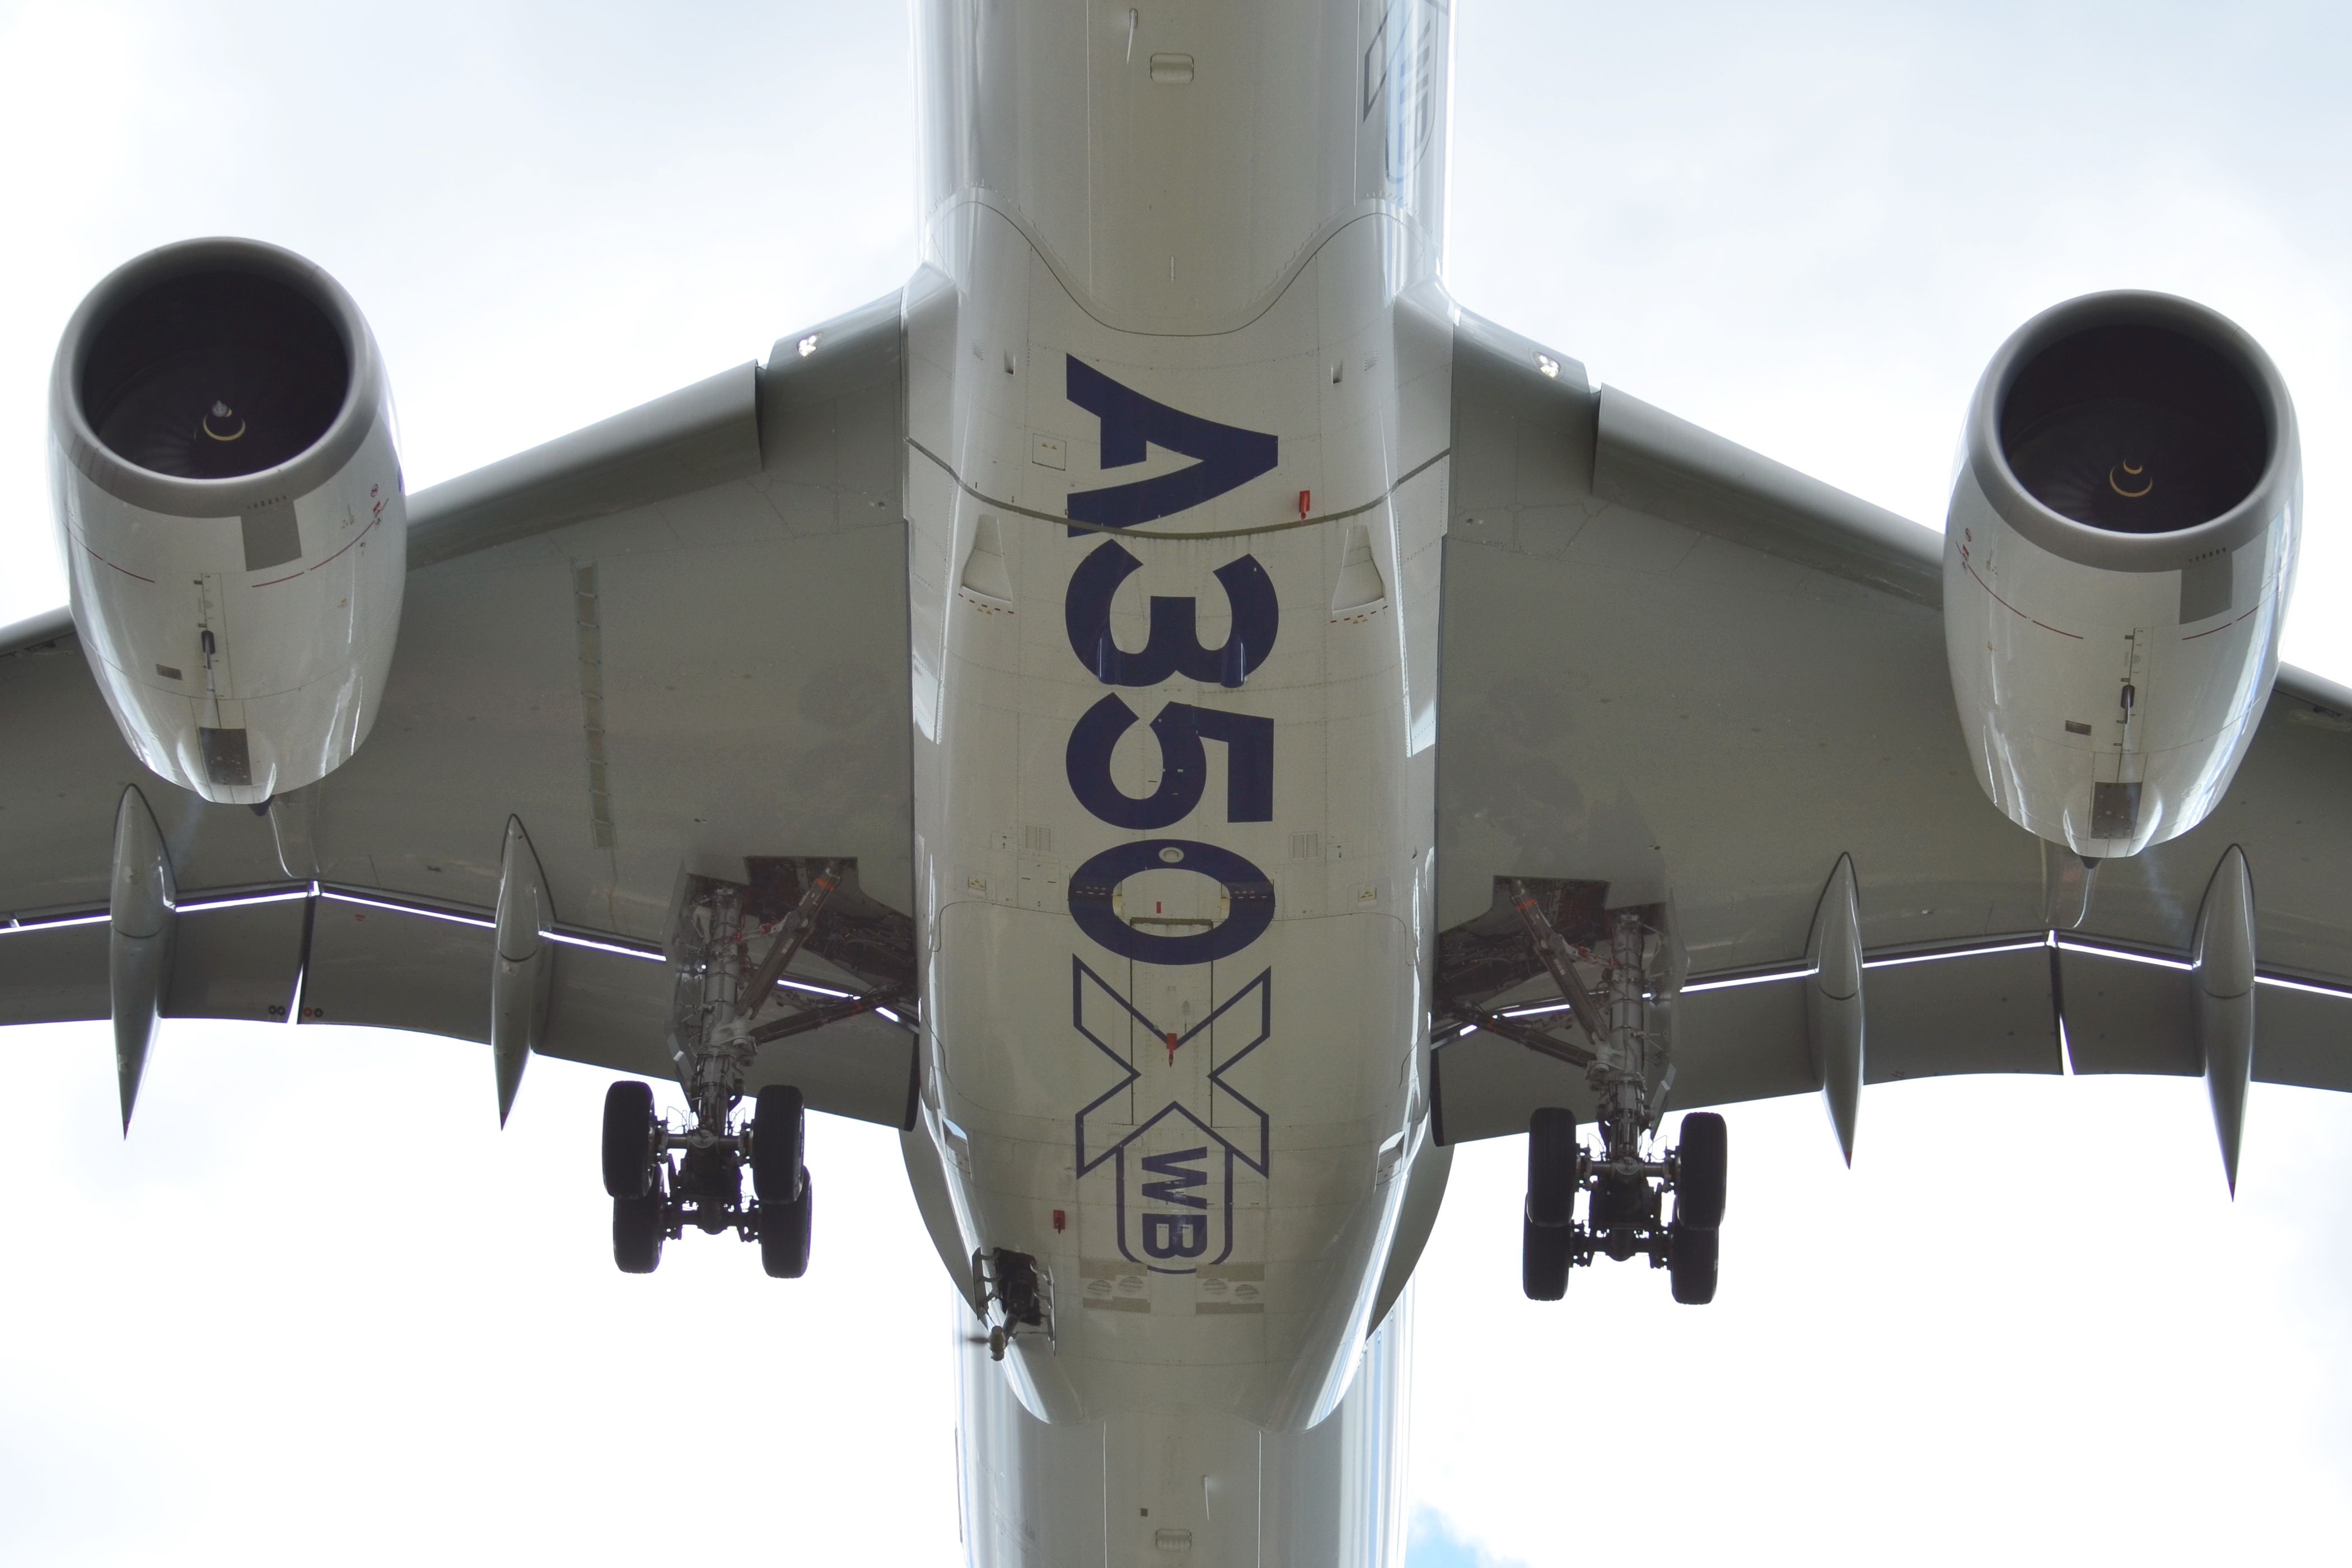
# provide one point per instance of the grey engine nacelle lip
(2083, 543)
(363, 393)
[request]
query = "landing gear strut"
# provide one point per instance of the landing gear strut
(1625, 1182)
(663, 1178)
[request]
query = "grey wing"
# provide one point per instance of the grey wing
(673, 642)
(1673, 669)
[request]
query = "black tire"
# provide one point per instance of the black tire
(629, 1140)
(1552, 1151)
(1699, 1185)
(1691, 1258)
(779, 1144)
(784, 1233)
(640, 1226)
(1544, 1259)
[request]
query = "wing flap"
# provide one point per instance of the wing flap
(236, 960)
(2303, 1035)
(2123, 1015)
(376, 965)
(1982, 1011)
(54, 974)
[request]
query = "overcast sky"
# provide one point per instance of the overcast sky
(318, 1310)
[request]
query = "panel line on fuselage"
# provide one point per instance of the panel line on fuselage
(1402, 480)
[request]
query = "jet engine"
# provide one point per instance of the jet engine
(228, 500)
(2117, 560)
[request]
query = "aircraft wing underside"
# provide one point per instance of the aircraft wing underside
(1671, 670)
(683, 627)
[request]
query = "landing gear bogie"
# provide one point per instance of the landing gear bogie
(694, 1179)
(1625, 1213)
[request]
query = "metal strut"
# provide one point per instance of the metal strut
(715, 1041)
(789, 936)
(1628, 1064)
(1560, 959)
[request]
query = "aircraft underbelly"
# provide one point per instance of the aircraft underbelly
(1174, 816)
(1174, 765)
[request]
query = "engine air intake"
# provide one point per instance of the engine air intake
(214, 375)
(2135, 429)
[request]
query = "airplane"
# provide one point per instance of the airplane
(1099, 399)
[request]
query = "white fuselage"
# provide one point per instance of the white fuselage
(1174, 768)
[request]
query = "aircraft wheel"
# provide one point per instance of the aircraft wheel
(779, 1144)
(1698, 1187)
(1690, 1263)
(640, 1224)
(784, 1231)
(629, 1126)
(1544, 1257)
(1552, 1153)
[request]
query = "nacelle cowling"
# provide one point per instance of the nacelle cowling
(2117, 560)
(228, 495)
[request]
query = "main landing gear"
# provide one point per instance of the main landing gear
(1626, 1020)
(663, 1178)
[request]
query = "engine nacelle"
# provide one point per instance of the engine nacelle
(2117, 561)
(228, 500)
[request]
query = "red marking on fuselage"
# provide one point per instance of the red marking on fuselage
(2225, 627)
(2005, 604)
(337, 556)
(123, 569)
